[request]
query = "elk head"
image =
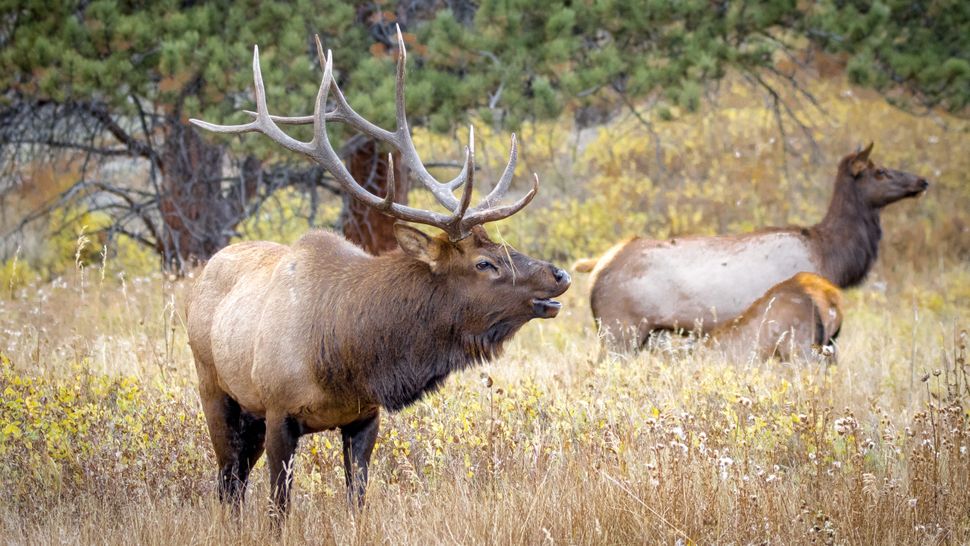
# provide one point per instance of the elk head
(494, 277)
(879, 186)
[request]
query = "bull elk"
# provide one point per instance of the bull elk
(643, 285)
(799, 317)
(291, 340)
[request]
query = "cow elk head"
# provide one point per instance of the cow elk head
(880, 186)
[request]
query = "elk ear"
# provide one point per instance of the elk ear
(415, 243)
(861, 160)
(481, 236)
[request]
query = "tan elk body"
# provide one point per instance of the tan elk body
(643, 285)
(291, 340)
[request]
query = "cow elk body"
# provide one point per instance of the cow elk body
(643, 285)
(797, 318)
(290, 340)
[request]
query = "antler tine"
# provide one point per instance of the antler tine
(441, 192)
(261, 109)
(399, 100)
(263, 122)
(492, 215)
(289, 120)
(456, 229)
(320, 105)
(391, 183)
(469, 167)
(502, 186)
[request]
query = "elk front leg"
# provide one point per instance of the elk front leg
(359, 438)
(282, 435)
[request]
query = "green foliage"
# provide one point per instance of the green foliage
(516, 59)
(182, 59)
(531, 60)
(923, 46)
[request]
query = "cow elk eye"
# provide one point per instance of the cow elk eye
(484, 265)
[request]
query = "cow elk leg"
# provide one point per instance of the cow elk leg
(282, 436)
(359, 438)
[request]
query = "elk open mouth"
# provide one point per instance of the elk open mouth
(545, 307)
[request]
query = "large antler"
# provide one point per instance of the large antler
(457, 225)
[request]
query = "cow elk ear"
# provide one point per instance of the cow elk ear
(861, 160)
(415, 243)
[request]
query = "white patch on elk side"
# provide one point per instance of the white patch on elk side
(711, 279)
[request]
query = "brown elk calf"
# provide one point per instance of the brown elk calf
(644, 285)
(290, 340)
(797, 318)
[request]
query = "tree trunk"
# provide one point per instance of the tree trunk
(364, 225)
(198, 215)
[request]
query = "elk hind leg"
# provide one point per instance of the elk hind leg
(237, 438)
(282, 437)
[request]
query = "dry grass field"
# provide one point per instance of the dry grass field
(102, 439)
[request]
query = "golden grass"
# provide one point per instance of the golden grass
(110, 445)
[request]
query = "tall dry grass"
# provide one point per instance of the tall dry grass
(102, 439)
(110, 445)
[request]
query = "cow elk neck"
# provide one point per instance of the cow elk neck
(847, 239)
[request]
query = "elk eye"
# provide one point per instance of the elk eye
(484, 265)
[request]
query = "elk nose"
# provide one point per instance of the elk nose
(560, 275)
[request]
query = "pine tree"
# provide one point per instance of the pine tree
(108, 79)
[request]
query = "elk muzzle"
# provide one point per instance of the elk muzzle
(546, 307)
(921, 186)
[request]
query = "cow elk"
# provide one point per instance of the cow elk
(318, 335)
(796, 319)
(642, 285)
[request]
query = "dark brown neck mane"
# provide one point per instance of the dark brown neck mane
(418, 325)
(848, 237)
